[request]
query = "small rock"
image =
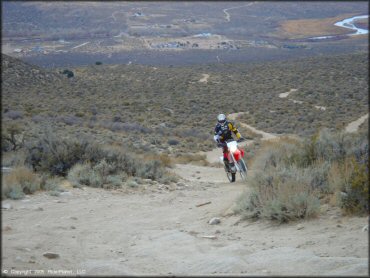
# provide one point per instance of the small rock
(7, 228)
(39, 209)
(73, 217)
(73, 227)
(51, 255)
(19, 259)
(339, 226)
(217, 232)
(214, 221)
(31, 261)
(6, 206)
(181, 184)
(365, 228)
(66, 193)
(300, 227)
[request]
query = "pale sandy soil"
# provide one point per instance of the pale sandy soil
(204, 78)
(286, 94)
(159, 230)
(353, 126)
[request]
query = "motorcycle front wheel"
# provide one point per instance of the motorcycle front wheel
(230, 175)
(242, 169)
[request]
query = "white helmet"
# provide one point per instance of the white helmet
(221, 118)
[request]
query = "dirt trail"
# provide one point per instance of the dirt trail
(204, 79)
(162, 231)
(353, 126)
(265, 135)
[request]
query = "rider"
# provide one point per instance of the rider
(223, 131)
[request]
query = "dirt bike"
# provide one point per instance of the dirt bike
(236, 162)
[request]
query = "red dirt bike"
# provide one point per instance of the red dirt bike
(236, 162)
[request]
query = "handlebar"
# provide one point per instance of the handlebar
(222, 144)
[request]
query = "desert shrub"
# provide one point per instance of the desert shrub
(70, 120)
(79, 175)
(132, 183)
(11, 137)
(37, 118)
(100, 175)
(112, 167)
(68, 73)
(173, 142)
(98, 63)
(51, 183)
(151, 170)
(293, 175)
(282, 195)
(57, 155)
(14, 158)
(18, 182)
(14, 115)
(349, 181)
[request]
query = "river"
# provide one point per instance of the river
(349, 24)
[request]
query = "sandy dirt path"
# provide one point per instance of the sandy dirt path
(227, 15)
(204, 79)
(353, 126)
(160, 230)
(265, 135)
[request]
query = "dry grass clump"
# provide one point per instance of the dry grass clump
(18, 182)
(293, 176)
(197, 159)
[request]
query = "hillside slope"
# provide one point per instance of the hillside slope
(171, 109)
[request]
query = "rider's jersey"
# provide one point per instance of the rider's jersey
(224, 131)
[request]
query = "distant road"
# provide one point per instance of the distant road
(227, 15)
(82, 44)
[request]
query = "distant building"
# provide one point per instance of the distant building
(139, 14)
(202, 35)
(17, 50)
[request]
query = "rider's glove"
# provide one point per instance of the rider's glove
(241, 139)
